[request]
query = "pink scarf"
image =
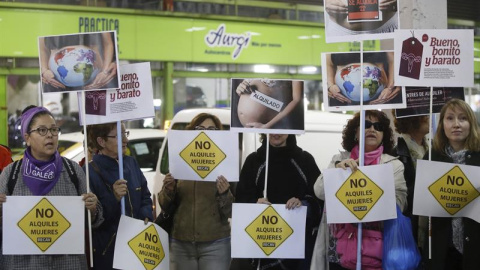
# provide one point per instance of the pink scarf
(371, 158)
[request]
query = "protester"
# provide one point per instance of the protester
(200, 236)
(105, 181)
(411, 146)
(456, 241)
(5, 157)
(291, 175)
(378, 149)
(40, 133)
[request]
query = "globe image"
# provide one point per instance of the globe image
(348, 80)
(74, 65)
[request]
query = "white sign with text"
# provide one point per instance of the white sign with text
(43, 225)
(203, 155)
(133, 100)
(366, 195)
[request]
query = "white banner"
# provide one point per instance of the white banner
(133, 100)
(263, 231)
(366, 195)
(446, 190)
(203, 155)
(140, 246)
(43, 225)
(432, 57)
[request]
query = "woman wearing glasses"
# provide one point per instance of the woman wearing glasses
(43, 172)
(378, 150)
(200, 235)
(110, 189)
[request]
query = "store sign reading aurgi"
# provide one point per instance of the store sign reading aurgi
(202, 155)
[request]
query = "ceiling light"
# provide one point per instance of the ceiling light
(263, 69)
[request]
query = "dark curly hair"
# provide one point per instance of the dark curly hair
(407, 125)
(350, 130)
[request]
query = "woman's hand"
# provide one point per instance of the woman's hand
(244, 88)
(222, 184)
(351, 163)
(334, 92)
(49, 78)
(3, 198)
(120, 188)
(386, 95)
(263, 201)
(293, 203)
(90, 202)
(169, 183)
(103, 77)
(336, 6)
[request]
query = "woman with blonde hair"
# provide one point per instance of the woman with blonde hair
(456, 241)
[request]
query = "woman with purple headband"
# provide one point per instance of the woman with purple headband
(40, 132)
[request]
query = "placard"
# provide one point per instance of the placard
(78, 62)
(432, 57)
(268, 231)
(43, 225)
(267, 106)
(446, 190)
(418, 100)
(140, 246)
(343, 84)
(354, 20)
(133, 100)
(203, 155)
(368, 194)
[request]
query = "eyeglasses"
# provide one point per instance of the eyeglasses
(125, 135)
(376, 125)
(43, 131)
(205, 128)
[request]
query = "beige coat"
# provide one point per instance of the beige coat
(319, 259)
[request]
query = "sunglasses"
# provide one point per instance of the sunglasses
(376, 125)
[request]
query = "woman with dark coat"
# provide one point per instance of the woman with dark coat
(456, 241)
(110, 189)
(291, 175)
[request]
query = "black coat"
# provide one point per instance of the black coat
(401, 150)
(442, 230)
(291, 173)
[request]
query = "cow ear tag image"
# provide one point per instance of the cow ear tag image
(411, 58)
(96, 102)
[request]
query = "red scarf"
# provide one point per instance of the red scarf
(370, 158)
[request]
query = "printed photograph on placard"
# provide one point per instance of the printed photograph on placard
(362, 11)
(355, 20)
(343, 85)
(86, 61)
(267, 106)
